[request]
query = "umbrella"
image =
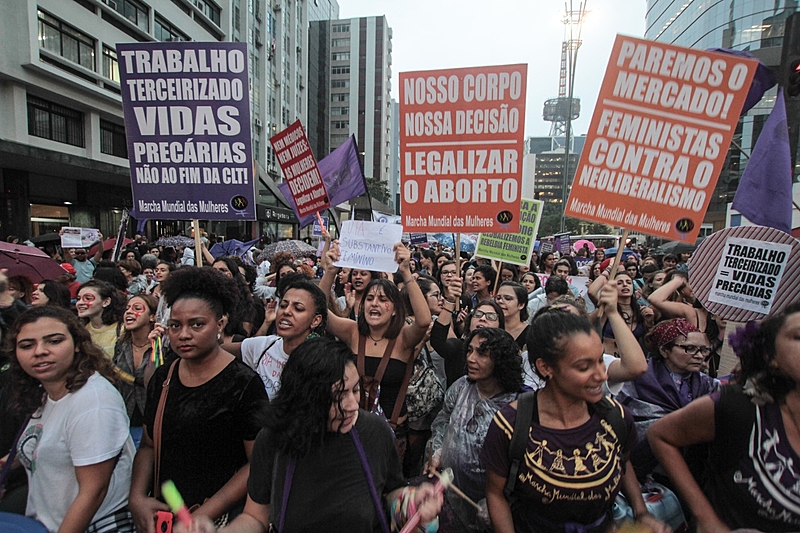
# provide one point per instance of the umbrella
(108, 244)
(678, 247)
(34, 264)
(626, 253)
(580, 243)
(294, 247)
(176, 241)
(46, 237)
(468, 242)
(231, 247)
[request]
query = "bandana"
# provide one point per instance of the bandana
(668, 331)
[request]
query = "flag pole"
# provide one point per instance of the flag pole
(198, 247)
(458, 254)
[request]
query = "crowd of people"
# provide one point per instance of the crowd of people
(456, 394)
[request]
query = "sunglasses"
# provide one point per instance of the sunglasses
(481, 314)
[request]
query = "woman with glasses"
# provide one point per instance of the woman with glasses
(513, 300)
(494, 377)
(487, 314)
(673, 379)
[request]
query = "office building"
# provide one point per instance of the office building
(549, 165)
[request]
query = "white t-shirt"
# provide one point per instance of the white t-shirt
(83, 428)
(532, 379)
(271, 365)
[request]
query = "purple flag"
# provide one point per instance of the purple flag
(342, 175)
(763, 80)
(764, 194)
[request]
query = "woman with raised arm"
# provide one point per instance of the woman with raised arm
(383, 340)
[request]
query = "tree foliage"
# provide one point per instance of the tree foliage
(378, 190)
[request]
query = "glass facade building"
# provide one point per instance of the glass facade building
(747, 25)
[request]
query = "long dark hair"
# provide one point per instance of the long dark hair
(112, 313)
(391, 292)
(152, 305)
(57, 293)
(504, 352)
(28, 393)
(297, 418)
(522, 297)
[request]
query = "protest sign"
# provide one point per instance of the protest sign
(545, 247)
(746, 273)
(317, 229)
(78, 237)
(563, 244)
(658, 138)
(514, 248)
(461, 148)
(300, 170)
(187, 121)
(369, 245)
(579, 282)
(418, 238)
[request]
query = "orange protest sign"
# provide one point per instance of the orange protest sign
(658, 138)
(461, 149)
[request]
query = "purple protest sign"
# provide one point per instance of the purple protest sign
(187, 120)
(562, 244)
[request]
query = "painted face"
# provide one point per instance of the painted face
(45, 350)
(687, 355)
(479, 282)
(296, 315)
(161, 272)
(193, 328)
(506, 275)
(483, 321)
(480, 365)
(344, 404)
(787, 347)
(38, 297)
(137, 315)
(506, 298)
(434, 299)
(529, 282)
(148, 273)
(624, 285)
(90, 303)
(378, 308)
(359, 279)
(562, 271)
(343, 275)
(222, 267)
(580, 373)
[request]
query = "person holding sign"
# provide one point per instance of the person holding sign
(382, 338)
(753, 426)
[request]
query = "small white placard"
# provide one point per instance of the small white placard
(369, 245)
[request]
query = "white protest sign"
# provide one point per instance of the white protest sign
(78, 237)
(749, 273)
(369, 245)
(579, 282)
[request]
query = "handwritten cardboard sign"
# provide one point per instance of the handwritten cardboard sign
(369, 245)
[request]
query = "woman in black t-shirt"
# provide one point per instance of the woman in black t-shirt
(212, 408)
(320, 463)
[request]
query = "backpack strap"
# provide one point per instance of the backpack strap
(266, 350)
(526, 405)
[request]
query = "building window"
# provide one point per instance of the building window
(209, 9)
(340, 124)
(340, 56)
(340, 111)
(52, 121)
(340, 84)
(64, 40)
(341, 97)
(340, 43)
(166, 32)
(110, 64)
(340, 70)
(341, 28)
(132, 10)
(112, 139)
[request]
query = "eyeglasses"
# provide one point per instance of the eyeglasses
(691, 349)
(436, 295)
(481, 314)
(448, 272)
(504, 298)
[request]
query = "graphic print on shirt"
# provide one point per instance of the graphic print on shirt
(28, 444)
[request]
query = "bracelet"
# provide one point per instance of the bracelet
(446, 309)
(409, 282)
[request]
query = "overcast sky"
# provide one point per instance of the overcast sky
(437, 34)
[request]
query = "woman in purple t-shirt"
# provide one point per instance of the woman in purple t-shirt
(754, 430)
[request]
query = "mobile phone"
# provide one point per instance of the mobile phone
(163, 522)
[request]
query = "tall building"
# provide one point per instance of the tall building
(63, 158)
(549, 174)
(360, 99)
(751, 25)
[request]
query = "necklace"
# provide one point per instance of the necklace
(375, 341)
(140, 346)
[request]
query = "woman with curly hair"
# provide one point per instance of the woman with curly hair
(210, 405)
(320, 463)
(101, 306)
(753, 426)
(75, 446)
(494, 377)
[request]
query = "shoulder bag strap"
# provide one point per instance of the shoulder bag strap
(12, 453)
(291, 464)
(376, 500)
(526, 405)
(162, 402)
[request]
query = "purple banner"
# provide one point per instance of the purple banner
(187, 120)
(562, 244)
